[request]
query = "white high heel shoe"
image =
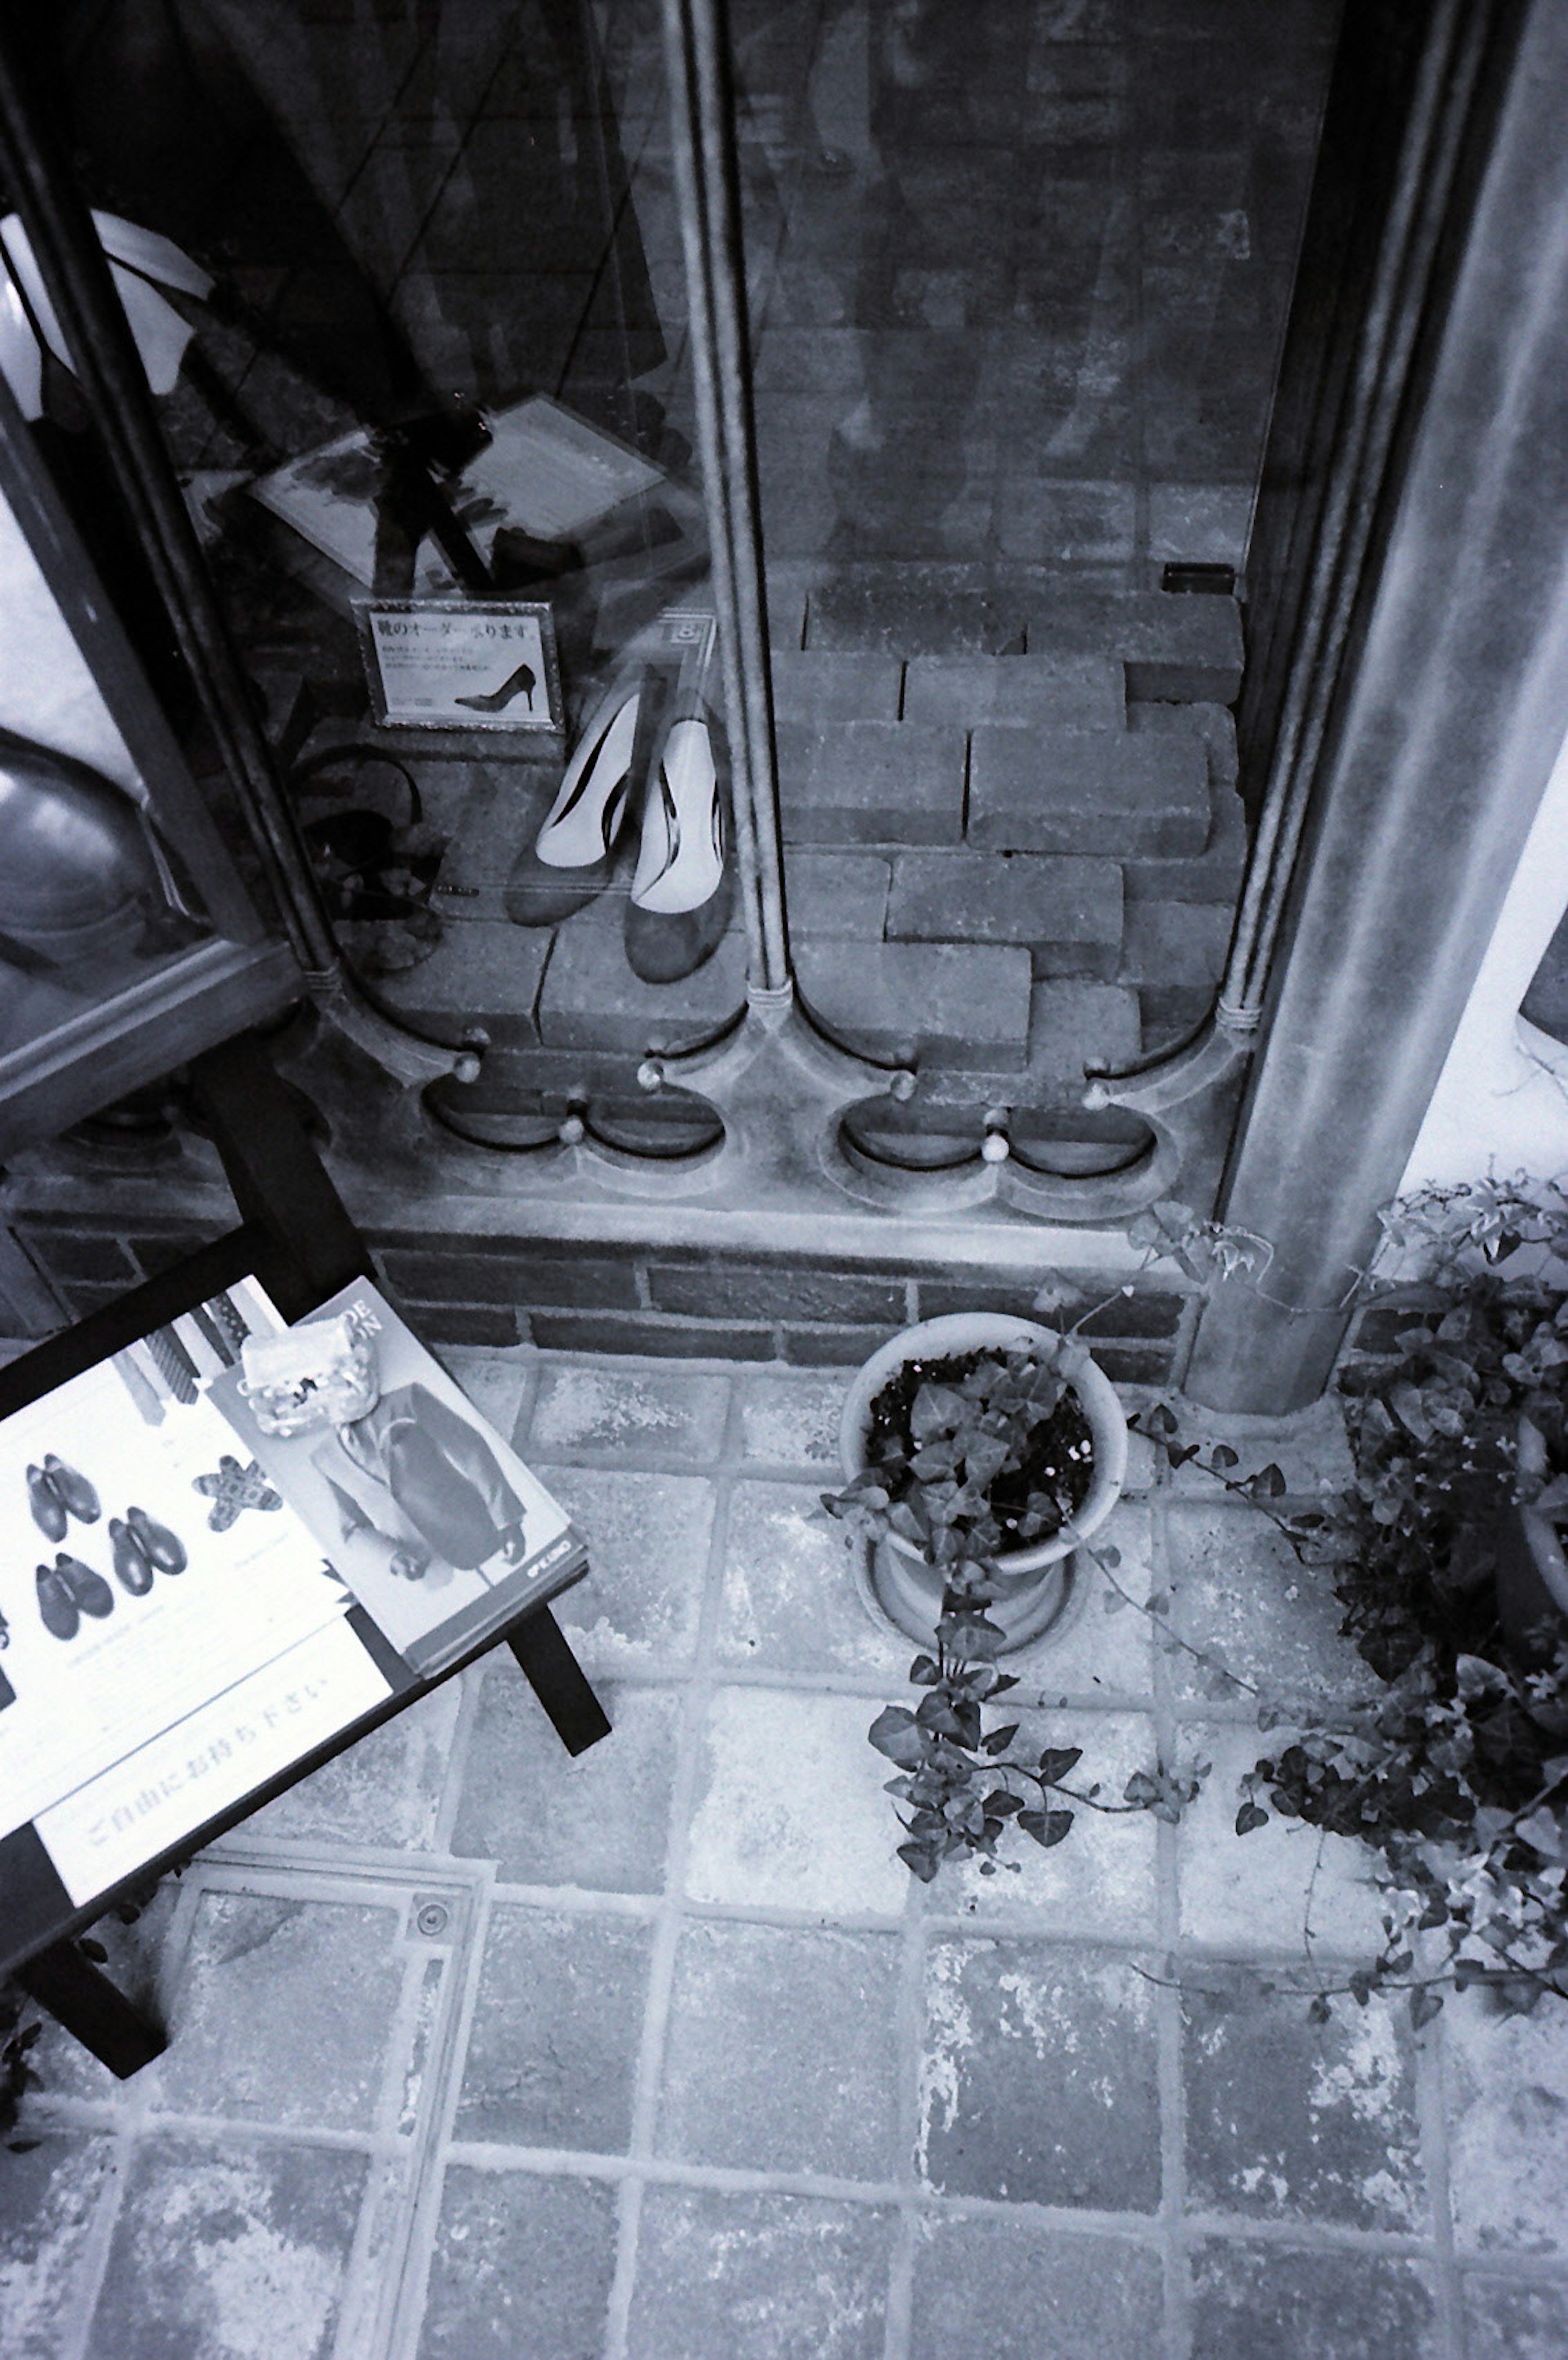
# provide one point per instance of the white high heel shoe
(682, 887)
(571, 858)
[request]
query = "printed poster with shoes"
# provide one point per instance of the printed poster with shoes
(440, 1531)
(223, 1547)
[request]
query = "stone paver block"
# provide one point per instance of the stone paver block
(592, 1001)
(758, 2277)
(1072, 1025)
(871, 782)
(757, 1827)
(1310, 1449)
(385, 1790)
(522, 2263)
(1037, 2292)
(1265, 1891)
(1176, 647)
(518, 1280)
(1266, 2303)
(232, 2250)
(1508, 2127)
(911, 610)
(601, 1821)
(1068, 908)
(839, 895)
(483, 971)
(1072, 692)
(51, 2193)
(1047, 521)
(1239, 1591)
(648, 1540)
(789, 1601)
(963, 1003)
(814, 685)
(1506, 2320)
(1101, 1880)
(332, 1971)
(553, 2052)
(1181, 943)
(793, 1422)
(631, 1412)
(1289, 2120)
(1087, 791)
(782, 2052)
(1040, 2077)
(1204, 524)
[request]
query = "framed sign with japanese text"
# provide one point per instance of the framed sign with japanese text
(436, 663)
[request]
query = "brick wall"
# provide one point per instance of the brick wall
(603, 1298)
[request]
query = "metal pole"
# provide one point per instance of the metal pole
(113, 385)
(707, 186)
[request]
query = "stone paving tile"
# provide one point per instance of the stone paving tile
(1099, 1648)
(1038, 2077)
(553, 2051)
(758, 2277)
(648, 1540)
(1260, 1892)
(1508, 2127)
(49, 2196)
(522, 2265)
(1505, 2320)
(330, 1972)
(662, 1411)
(1101, 1880)
(1030, 2293)
(790, 1811)
(1268, 2302)
(1289, 2120)
(498, 1384)
(1239, 1590)
(384, 1791)
(231, 2251)
(793, 1422)
(789, 1601)
(599, 1822)
(782, 2052)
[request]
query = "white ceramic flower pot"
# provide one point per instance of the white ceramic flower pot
(1035, 1581)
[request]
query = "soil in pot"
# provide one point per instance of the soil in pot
(1059, 1462)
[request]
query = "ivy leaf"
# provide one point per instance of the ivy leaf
(894, 1733)
(1047, 1828)
(1250, 1816)
(923, 1671)
(999, 1740)
(1425, 2004)
(1058, 1760)
(1267, 1483)
(1319, 2012)
(1222, 1457)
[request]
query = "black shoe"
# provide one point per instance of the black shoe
(89, 1590)
(48, 1507)
(74, 1492)
(522, 682)
(131, 1566)
(158, 1544)
(56, 1605)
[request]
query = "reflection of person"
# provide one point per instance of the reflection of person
(451, 1499)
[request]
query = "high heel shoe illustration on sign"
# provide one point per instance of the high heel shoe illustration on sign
(571, 858)
(522, 683)
(681, 892)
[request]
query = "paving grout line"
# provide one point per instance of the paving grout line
(667, 1925)
(1434, 2092)
(1175, 2269)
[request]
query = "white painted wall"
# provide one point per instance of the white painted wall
(1501, 1104)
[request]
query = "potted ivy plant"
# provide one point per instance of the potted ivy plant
(979, 1450)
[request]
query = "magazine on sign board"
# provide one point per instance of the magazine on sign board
(436, 1527)
(227, 1543)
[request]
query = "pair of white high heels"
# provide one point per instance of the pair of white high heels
(682, 887)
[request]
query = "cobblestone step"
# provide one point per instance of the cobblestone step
(1066, 910)
(1085, 791)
